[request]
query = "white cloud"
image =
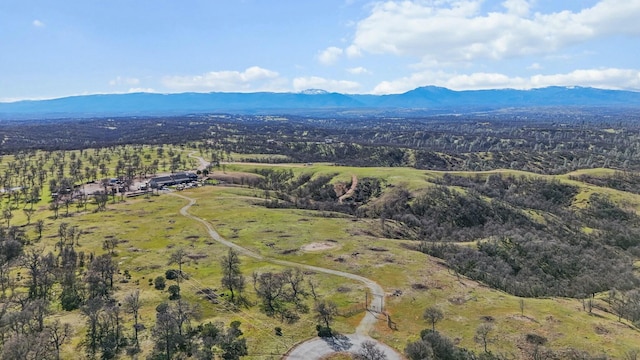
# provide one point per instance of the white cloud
(358, 70)
(119, 80)
(37, 23)
(534, 66)
(330, 55)
(445, 31)
(251, 79)
(517, 7)
(609, 78)
(353, 51)
(315, 82)
(141, 90)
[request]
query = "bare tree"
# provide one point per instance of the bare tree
(633, 354)
(5, 278)
(40, 269)
(40, 228)
(482, 334)
(101, 198)
(433, 314)
(232, 278)
(28, 213)
(7, 214)
(55, 206)
(59, 334)
(99, 276)
(37, 310)
(295, 279)
(62, 235)
(326, 311)
(25, 346)
(369, 351)
(110, 244)
(132, 305)
(178, 257)
(313, 285)
(92, 311)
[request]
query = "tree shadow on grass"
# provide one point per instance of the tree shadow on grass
(338, 342)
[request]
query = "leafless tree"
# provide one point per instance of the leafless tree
(369, 351)
(59, 334)
(326, 311)
(232, 278)
(482, 334)
(132, 305)
(178, 257)
(433, 314)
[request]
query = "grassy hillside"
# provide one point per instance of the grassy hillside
(149, 229)
(564, 322)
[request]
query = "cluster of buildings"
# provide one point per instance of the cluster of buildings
(180, 178)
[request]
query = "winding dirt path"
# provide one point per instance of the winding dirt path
(352, 189)
(314, 348)
(203, 163)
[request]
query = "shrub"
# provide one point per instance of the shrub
(174, 291)
(159, 283)
(323, 331)
(171, 274)
(536, 339)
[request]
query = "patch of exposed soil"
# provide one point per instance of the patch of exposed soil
(601, 330)
(420, 287)
(320, 246)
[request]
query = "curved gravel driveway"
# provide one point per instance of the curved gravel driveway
(315, 348)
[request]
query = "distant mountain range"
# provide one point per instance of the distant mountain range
(429, 99)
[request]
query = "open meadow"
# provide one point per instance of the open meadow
(507, 250)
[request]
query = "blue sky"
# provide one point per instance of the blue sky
(59, 48)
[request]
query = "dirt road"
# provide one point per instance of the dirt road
(203, 163)
(306, 349)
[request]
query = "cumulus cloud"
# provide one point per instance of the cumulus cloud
(330, 55)
(316, 82)
(37, 23)
(358, 70)
(459, 31)
(254, 78)
(120, 80)
(517, 7)
(609, 78)
(353, 51)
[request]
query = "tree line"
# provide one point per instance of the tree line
(531, 141)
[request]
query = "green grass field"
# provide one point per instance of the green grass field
(465, 303)
(150, 229)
